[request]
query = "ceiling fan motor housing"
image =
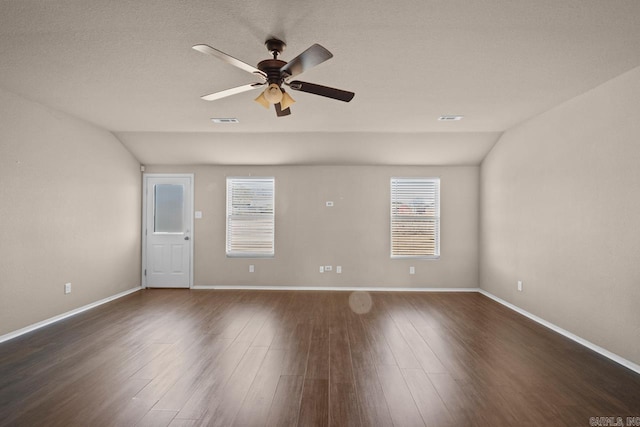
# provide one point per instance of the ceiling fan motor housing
(271, 67)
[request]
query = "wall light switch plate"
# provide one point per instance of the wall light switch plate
(252, 268)
(338, 269)
(520, 285)
(321, 269)
(412, 270)
(67, 288)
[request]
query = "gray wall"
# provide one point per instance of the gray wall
(69, 212)
(354, 233)
(560, 205)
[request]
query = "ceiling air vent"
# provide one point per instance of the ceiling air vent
(225, 120)
(449, 118)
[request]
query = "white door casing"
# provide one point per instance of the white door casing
(167, 259)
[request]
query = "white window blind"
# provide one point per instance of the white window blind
(250, 217)
(415, 217)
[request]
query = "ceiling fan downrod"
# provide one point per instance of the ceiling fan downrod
(275, 47)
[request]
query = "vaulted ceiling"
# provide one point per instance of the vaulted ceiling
(128, 67)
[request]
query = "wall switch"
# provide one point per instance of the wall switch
(321, 269)
(520, 285)
(329, 204)
(412, 270)
(67, 288)
(328, 268)
(252, 268)
(198, 214)
(338, 269)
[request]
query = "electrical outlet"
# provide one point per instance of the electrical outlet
(252, 268)
(328, 268)
(520, 285)
(67, 288)
(322, 269)
(338, 269)
(329, 204)
(412, 270)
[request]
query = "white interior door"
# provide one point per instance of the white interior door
(167, 232)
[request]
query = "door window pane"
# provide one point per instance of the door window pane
(168, 209)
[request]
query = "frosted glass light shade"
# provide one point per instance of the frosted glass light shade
(273, 94)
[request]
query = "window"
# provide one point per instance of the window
(415, 217)
(168, 210)
(250, 217)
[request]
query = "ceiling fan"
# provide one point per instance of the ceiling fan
(274, 73)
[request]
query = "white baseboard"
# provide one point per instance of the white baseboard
(604, 352)
(334, 288)
(59, 317)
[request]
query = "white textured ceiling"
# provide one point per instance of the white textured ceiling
(128, 67)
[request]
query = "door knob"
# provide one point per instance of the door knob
(186, 237)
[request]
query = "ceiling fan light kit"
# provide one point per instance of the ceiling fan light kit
(287, 100)
(273, 94)
(275, 73)
(262, 100)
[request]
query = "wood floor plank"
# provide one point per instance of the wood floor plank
(452, 395)
(380, 349)
(340, 367)
(157, 418)
(343, 404)
(183, 423)
(421, 349)
(343, 398)
(318, 361)
(297, 350)
(275, 320)
(233, 394)
(253, 327)
(285, 406)
(447, 351)
(93, 377)
(401, 405)
(212, 381)
(433, 410)
(255, 408)
(171, 387)
(176, 396)
(111, 400)
(252, 358)
(374, 410)
(314, 407)
(399, 347)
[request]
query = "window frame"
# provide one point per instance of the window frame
(234, 253)
(436, 217)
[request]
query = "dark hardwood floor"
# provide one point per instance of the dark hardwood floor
(276, 358)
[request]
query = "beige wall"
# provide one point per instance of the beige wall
(69, 212)
(560, 210)
(354, 233)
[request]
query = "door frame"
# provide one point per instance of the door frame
(145, 197)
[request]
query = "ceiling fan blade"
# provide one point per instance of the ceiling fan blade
(280, 112)
(311, 57)
(232, 91)
(329, 92)
(206, 49)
